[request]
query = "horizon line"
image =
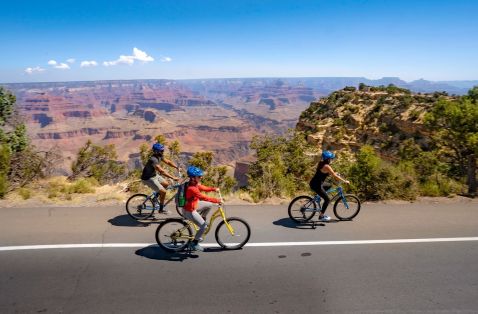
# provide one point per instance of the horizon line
(245, 77)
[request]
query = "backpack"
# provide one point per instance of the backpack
(181, 195)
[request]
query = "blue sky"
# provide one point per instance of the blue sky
(175, 39)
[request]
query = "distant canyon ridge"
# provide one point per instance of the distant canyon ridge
(219, 115)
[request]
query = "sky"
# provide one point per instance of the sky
(181, 39)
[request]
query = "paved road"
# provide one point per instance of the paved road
(392, 278)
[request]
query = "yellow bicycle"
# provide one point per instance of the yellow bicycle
(232, 233)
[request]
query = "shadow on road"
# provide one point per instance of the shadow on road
(155, 252)
(312, 224)
(289, 223)
(127, 221)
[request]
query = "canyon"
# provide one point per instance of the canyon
(218, 115)
(222, 119)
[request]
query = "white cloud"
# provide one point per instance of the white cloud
(166, 59)
(62, 66)
(137, 55)
(86, 64)
(34, 70)
(141, 55)
(71, 60)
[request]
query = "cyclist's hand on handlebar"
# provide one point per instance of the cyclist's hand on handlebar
(347, 182)
(217, 190)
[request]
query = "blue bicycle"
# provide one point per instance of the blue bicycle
(303, 208)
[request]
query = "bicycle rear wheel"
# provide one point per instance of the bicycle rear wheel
(139, 206)
(173, 234)
(347, 207)
(302, 209)
(241, 233)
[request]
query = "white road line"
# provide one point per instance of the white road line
(260, 244)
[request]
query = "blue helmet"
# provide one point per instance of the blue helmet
(194, 172)
(328, 155)
(158, 147)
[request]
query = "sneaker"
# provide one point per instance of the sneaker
(195, 247)
(324, 218)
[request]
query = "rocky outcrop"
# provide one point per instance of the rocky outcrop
(240, 173)
(383, 117)
(164, 106)
(43, 119)
(268, 102)
(77, 114)
(149, 116)
(68, 134)
(119, 134)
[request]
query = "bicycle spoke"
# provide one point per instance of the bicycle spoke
(173, 234)
(347, 207)
(302, 209)
(139, 207)
(235, 238)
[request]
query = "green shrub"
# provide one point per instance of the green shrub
(59, 188)
(82, 186)
(374, 179)
(4, 169)
(281, 168)
(98, 162)
(25, 193)
(440, 185)
(55, 188)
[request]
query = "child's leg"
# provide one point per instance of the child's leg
(204, 208)
(199, 221)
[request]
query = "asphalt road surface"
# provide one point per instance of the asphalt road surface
(296, 269)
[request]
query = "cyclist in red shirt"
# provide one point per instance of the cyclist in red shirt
(198, 205)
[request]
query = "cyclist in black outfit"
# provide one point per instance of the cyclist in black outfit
(317, 182)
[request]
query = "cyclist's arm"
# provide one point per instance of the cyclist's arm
(202, 197)
(164, 173)
(333, 174)
(169, 162)
(206, 188)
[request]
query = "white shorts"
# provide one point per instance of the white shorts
(155, 183)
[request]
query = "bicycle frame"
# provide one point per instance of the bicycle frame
(339, 193)
(171, 186)
(220, 212)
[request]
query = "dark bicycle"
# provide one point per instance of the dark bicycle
(142, 206)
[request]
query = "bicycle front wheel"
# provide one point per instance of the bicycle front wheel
(173, 234)
(302, 209)
(139, 206)
(234, 238)
(347, 207)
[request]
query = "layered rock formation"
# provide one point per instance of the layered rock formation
(382, 117)
(129, 113)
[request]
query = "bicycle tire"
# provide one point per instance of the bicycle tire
(173, 229)
(296, 209)
(343, 213)
(133, 207)
(179, 210)
(241, 228)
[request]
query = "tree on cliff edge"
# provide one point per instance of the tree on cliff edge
(456, 126)
(13, 137)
